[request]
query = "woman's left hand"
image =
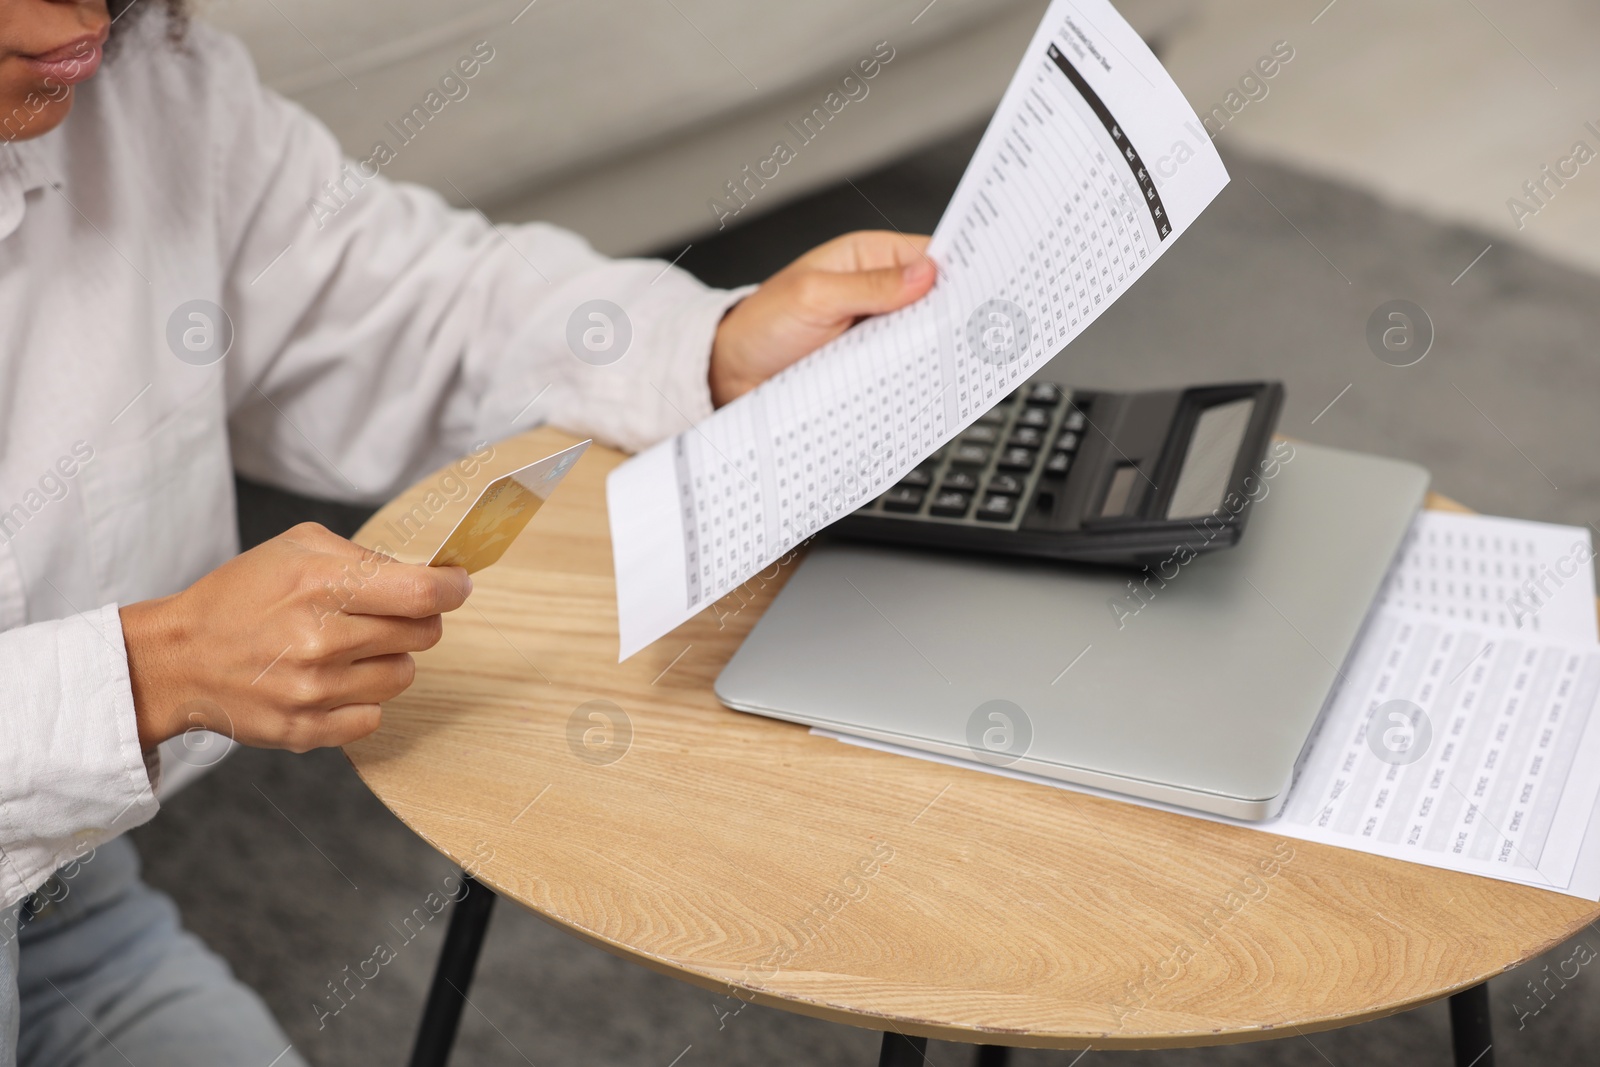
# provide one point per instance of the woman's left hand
(813, 300)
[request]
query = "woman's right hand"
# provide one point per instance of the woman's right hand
(293, 644)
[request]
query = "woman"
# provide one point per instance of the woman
(170, 312)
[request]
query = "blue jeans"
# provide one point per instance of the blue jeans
(99, 972)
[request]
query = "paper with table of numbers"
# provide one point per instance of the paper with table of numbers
(1497, 775)
(1532, 578)
(1092, 165)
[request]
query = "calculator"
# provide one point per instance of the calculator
(1123, 478)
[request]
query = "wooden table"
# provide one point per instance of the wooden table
(625, 804)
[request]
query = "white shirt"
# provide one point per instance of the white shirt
(370, 346)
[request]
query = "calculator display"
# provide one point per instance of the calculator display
(1209, 461)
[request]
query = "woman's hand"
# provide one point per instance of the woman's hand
(292, 644)
(813, 300)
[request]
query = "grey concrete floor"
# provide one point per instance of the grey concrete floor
(291, 870)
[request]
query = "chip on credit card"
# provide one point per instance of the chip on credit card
(502, 510)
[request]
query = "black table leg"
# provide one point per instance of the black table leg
(902, 1051)
(441, 1016)
(993, 1056)
(1470, 1031)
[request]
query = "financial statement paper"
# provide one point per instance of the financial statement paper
(1091, 167)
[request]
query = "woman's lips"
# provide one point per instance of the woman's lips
(73, 62)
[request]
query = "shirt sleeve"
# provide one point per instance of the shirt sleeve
(379, 332)
(72, 775)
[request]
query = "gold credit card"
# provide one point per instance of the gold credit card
(502, 510)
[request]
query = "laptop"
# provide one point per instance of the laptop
(1195, 682)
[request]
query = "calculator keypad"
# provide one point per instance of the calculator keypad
(950, 503)
(959, 479)
(988, 474)
(903, 498)
(996, 507)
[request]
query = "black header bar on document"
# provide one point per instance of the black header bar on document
(1141, 173)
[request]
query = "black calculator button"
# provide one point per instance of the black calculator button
(902, 498)
(1074, 421)
(1057, 464)
(973, 455)
(993, 417)
(1009, 484)
(950, 504)
(997, 507)
(920, 478)
(1036, 418)
(1046, 393)
(1026, 437)
(981, 434)
(959, 480)
(1018, 459)
(1067, 442)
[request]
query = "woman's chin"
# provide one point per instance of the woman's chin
(35, 113)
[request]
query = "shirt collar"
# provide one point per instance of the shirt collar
(24, 167)
(36, 162)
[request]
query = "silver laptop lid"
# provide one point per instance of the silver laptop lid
(1196, 682)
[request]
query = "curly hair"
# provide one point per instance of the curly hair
(176, 11)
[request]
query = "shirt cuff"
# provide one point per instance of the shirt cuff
(682, 370)
(74, 773)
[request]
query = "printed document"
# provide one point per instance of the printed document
(1091, 167)
(1457, 746)
(1532, 578)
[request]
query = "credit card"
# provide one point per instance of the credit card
(502, 510)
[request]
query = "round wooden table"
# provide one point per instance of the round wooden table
(625, 804)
